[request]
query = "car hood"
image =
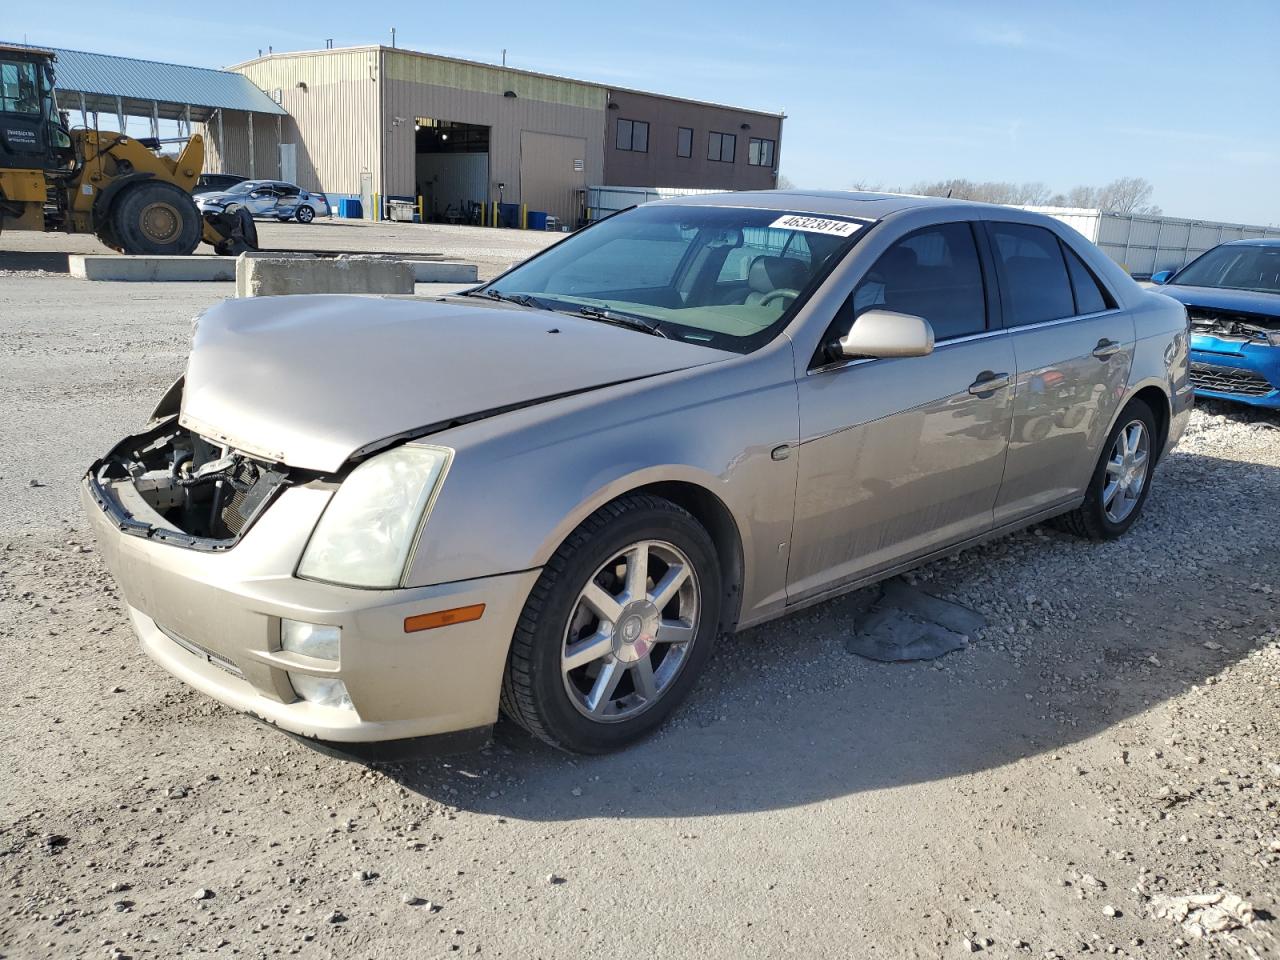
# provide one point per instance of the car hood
(1216, 298)
(309, 381)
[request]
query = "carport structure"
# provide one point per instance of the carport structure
(95, 84)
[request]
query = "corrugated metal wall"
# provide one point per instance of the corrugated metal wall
(332, 101)
(507, 118)
(1144, 243)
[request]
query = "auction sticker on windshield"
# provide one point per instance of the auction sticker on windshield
(836, 228)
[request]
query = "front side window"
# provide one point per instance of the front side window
(684, 142)
(1034, 286)
(725, 277)
(933, 273)
(1236, 267)
(721, 147)
(19, 88)
(760, 152)
(633, 135)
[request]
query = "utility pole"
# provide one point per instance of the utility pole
(393, 38)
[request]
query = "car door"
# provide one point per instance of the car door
(1072, 349)
(288, 198)
(262, 200)
(901, 456)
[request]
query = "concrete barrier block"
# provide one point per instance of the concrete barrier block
(150, 269)
(259, 276)
(444, 271)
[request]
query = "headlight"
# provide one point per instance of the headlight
(367, 531)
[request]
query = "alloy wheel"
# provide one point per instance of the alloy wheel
(630, 631)
(1126, 474)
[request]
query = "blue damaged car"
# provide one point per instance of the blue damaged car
(1232, 296)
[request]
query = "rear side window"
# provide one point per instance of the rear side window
(1091, 297)
(1034, 282)
(933, 273)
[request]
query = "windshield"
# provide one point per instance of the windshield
(19, 88)
(244, 186)
(726, 277)
(1235, 267)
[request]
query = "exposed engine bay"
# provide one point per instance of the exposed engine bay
(173, 484)
(1235, 326)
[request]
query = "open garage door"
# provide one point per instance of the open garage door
(451, 169)
(553, 178)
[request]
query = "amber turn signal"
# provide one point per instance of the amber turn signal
(445, 618)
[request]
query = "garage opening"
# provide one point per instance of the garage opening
(451, 167)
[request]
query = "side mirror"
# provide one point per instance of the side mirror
(884, 333)
(1162, 277)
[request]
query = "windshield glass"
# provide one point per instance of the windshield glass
(726, 277)
(19, 89)
(244, 186)
(1235, 267)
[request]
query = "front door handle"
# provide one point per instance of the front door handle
(988, 382)
(1106, 349)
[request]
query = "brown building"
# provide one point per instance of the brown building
(657, 141)
(381, 122)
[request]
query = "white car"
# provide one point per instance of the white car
(268, 198)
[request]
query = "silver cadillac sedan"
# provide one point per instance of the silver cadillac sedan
(370, 521)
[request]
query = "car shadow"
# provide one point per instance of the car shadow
(784, 716)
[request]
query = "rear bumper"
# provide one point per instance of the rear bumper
(213, 621)
(1240, 372)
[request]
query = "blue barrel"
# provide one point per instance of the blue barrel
(537, 220)
(351, 208)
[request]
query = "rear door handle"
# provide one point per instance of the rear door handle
(989, 382)
(1106, 349)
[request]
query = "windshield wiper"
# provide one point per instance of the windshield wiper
(522, 299)
(628, 320)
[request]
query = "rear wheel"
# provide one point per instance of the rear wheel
(305, 214)
(617, 628)
(155, 218)
(1121, 480)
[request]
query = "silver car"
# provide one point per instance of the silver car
(376, 520)
(268, 198)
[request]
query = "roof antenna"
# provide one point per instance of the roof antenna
(949, 189)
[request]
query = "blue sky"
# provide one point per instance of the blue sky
(1186, 94)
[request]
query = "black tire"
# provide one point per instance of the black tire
(239, 231)
(305, 214)
(534, 692)
(1090, 519)
(156, 219)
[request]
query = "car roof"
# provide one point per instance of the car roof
(842, 203)
(1254, 242)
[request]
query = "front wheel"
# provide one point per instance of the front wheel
(1122, 479)
(616, 629)
(155, 218)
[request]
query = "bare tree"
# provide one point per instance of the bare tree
(1124, 195)
(1127, 195)
(785, 182)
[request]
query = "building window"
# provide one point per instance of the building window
(760, 152)
(684, 142)
(633, 135)
(721, 147)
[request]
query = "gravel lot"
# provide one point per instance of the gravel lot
(1112, 739)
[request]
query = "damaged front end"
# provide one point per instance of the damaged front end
(173, 485)
(1236, 326)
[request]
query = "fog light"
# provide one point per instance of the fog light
(325, 691)
(319, 640)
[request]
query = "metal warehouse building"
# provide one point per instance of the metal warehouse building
(392, 123)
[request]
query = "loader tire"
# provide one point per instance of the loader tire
(156, 219)
(239, 232)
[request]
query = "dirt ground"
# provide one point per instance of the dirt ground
(1112, 738)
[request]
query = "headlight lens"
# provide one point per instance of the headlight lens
(365, 535)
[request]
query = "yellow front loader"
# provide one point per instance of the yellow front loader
(117, 187)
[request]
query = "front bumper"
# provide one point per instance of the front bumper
(213, 621)
(1243, 372)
